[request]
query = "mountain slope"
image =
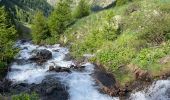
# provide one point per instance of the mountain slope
(131, 41)
(23, 10)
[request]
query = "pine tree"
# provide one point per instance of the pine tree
(7, 37)
(82, 10)
(60, 18)
(39, 28)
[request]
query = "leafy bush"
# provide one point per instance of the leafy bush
(148, 57)
(82, 10)
(114, 58)
(25, 96)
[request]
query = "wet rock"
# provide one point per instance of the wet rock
(51, 68)
(52, 89)
(57, 50)
(77, 66)
(17, 88)
(106, 81)
(67, 57)
(59, 69)
(23, 41)
(62, 69)
(41, 56)
(25, 48)
(4, 85)
(48, 89)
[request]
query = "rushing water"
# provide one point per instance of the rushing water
(159, 90)
(81, 85)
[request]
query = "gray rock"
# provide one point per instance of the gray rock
(41, 56)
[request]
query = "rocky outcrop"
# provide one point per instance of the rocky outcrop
(41, 56)
(49, 89)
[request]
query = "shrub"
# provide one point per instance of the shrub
(25, 96)
(82, 10)
(113, 58)
(148, 57)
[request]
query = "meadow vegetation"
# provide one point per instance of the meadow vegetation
(137, 32)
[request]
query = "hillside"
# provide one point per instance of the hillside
(23, 10)
(131, 41)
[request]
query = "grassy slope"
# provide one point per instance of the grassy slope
(125, 37)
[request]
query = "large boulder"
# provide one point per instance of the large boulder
(41, 56)
(106, 82)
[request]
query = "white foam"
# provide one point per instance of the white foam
(81, 84)
(157, 91)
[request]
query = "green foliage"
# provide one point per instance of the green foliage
(23, 10)
(153, 25)
(40, 30)
(137, 33)
(149, 57)
(25, 96)
(97, 37)
(7, 37)
(60, 18)
(113, 58)
(121, 2)
(82, 10)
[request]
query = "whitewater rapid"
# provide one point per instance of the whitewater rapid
(81, 84)
(159, 90)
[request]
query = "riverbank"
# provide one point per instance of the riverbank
(129, 41)
(40, 76)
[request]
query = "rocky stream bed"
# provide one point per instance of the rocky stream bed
(54, 75)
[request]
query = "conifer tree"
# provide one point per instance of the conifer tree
(60, 18)
(7, 37)
(39, 28)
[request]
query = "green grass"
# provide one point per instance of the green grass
(137, 32)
